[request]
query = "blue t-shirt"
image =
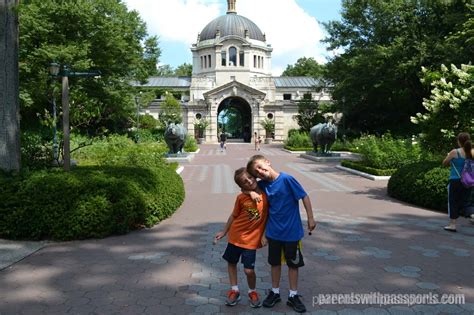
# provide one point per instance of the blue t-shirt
(284, 220)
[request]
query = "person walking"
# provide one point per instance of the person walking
(458, 195)
(223, 139)
(257, 141)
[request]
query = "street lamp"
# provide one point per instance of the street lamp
(53, 71)
(64, 73)
(137, 103)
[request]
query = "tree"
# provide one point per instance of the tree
(385, 43)
(86, 35)
(308, 114)
(170, 111)
(165, 71)
(184, 70)
(450, 107)
(304, 67)
(9, 105)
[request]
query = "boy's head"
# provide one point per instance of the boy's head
(260, 167)
(244, 179)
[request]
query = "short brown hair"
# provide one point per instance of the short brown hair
(251, 163)
(238, 173)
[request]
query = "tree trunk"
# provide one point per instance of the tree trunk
(9, 88)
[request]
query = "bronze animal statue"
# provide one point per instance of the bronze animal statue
(175, 136)
(323, 135)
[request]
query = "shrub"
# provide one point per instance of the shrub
(367, 169)
(36, 150)
(190, 145)
(421, 183)
(339, 145)
(148, 122)
(386, 152)
(87, 201)
(120, 150)
(299, 140)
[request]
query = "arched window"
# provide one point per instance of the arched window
(224, 57)
(241, 58)
(232, 56)
(209, 61)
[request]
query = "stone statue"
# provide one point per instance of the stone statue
(323, 135)
(175, 136)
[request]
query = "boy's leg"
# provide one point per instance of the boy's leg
(232, 269)
(232, 255)
(274, 259)
(293, 278)
(294, 260)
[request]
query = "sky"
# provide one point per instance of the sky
(292, 27)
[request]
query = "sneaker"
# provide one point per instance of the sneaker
(296, 304)
(233, 297)
(254, 300)
(271, 299)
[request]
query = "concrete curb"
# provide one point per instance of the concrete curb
(356, 172)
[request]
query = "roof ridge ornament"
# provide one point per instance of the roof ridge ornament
(231, 6)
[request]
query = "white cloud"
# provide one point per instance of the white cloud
(291, 31)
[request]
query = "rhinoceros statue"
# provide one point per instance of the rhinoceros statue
(175, 135)
(323, 135)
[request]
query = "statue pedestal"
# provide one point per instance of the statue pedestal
(179, 157)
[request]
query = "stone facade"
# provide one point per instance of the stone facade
(232, 61)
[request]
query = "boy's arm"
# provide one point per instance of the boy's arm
(309, 213)
(255, 196)
(222, 233)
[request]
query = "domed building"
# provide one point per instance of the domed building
(232, 73)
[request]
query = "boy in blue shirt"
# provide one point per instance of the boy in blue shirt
(284, 230)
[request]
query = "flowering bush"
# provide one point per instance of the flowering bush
(450, 108)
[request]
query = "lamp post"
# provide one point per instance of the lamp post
(53, 71)
(64, 73)
(137, 103)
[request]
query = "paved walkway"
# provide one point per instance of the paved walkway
(365, 243)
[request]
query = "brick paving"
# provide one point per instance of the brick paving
(365, 242)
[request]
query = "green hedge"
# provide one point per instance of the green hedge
(94, 201)
(421, 183)
(367, 169)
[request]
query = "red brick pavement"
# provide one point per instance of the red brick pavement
(365, 242)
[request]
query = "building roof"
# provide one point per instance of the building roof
(295, 82)
(176, 82)
(231, 24)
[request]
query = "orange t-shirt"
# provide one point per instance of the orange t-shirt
(249, 222)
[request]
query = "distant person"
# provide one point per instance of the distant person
(257, 141)
(245, 228)
(458, 195)
(284, 230)
(223, 139)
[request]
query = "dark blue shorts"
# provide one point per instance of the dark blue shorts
(233, 253)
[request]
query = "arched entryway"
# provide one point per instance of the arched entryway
(234, 117)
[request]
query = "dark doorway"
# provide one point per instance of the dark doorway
(234, 117)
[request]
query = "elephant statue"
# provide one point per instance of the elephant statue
(175, 135)
(323, 135)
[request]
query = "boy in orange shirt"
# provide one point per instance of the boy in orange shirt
(245, 228)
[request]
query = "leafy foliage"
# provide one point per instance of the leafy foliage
(86, 35)
(386, 152)
(304, 67)
(184, 70)
(450, 108)
(170, 111)
(190, 145)
(309, 114)
(421, 183)
(367, 169)
(87, 202)
(268, 125)
(376, 78)
(299, 140)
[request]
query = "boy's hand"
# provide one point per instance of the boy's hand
(264, 241)
(311, 225)
(255, 196)
(219, 235)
